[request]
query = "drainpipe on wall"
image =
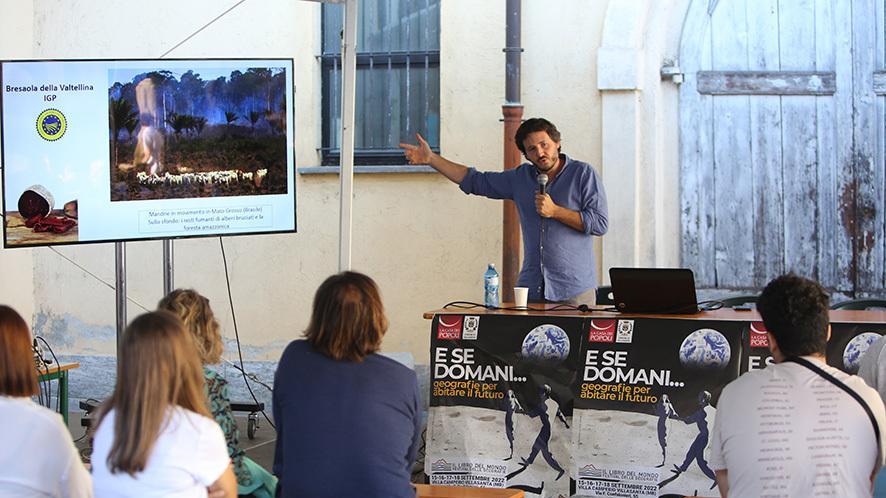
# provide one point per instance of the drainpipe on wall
(512, 111)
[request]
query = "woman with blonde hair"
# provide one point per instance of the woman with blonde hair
(348, 419)
(195, 313)
(29, 427)
(155, 436)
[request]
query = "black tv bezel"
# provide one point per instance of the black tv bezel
(290, 108)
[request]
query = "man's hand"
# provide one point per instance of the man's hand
(545, 206)
(418, 154)
(422, 154)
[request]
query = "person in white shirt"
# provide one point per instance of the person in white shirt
(872, 367)
(788, 431)
(873, 370)
(155, 435)
(37, 456)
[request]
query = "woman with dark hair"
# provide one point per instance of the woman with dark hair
(348, 419)
(56, 470)
(155, 436)
(195, 313)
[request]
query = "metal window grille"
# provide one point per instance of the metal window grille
(398, 78)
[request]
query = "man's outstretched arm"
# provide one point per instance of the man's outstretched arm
(422, 154)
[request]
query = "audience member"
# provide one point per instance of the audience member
(873, 367)
(38, 457)
(793, 428)
(873, 371)
(348, 419)
(155, 437)
(195, 313)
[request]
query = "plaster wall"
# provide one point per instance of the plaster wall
(16, 267)
(640, 143)
(424, 241)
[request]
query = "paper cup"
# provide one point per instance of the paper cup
(521, 294)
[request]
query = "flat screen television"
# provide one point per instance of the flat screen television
(120, 150)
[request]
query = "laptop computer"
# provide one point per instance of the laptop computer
(654, 290)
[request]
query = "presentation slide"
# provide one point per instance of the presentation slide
(117, 150)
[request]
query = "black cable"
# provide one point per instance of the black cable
(85, 432)
(44, 384)
(713, 305)
(584, 308)
(248, 374)
(58, 401)
(237, 334)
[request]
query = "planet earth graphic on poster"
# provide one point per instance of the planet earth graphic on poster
(705, 349)
(546, 343)
(856, 348)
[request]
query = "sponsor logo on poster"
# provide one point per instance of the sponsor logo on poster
(602, 331)
(589, 471)
(472, 325)
(759, 339)
(625, 333)
(449, 327)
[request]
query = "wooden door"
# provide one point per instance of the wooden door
(782, 119)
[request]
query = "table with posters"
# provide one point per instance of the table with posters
(562, 403)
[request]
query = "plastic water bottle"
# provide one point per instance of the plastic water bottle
(490, 286)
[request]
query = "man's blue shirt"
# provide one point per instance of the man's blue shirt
(557, 260)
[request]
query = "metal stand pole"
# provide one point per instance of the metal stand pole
(120, 267)
(168, 267)
(346, 170)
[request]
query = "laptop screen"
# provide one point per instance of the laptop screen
(654, 290)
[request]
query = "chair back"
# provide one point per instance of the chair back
(861, 304)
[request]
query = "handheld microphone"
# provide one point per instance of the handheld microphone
(542, 183)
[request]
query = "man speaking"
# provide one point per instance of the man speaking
(561, 203)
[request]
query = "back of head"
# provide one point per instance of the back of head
(157, 368)
(533, 125)
(17, 375)
(795, 312)
(194, 312)
(348, 320)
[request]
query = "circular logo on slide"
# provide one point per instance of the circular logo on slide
(51, 124)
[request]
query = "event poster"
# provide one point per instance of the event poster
(646, 404)
(501, 401)
(622, 406)
(848, 343)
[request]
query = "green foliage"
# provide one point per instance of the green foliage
(123, 116)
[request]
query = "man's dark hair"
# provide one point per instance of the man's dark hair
(795, 312)
(533, 125)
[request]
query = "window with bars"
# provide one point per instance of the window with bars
(398, 78)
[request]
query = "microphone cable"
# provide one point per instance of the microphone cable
(237, 335)
(58, 401)
(466, 305)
